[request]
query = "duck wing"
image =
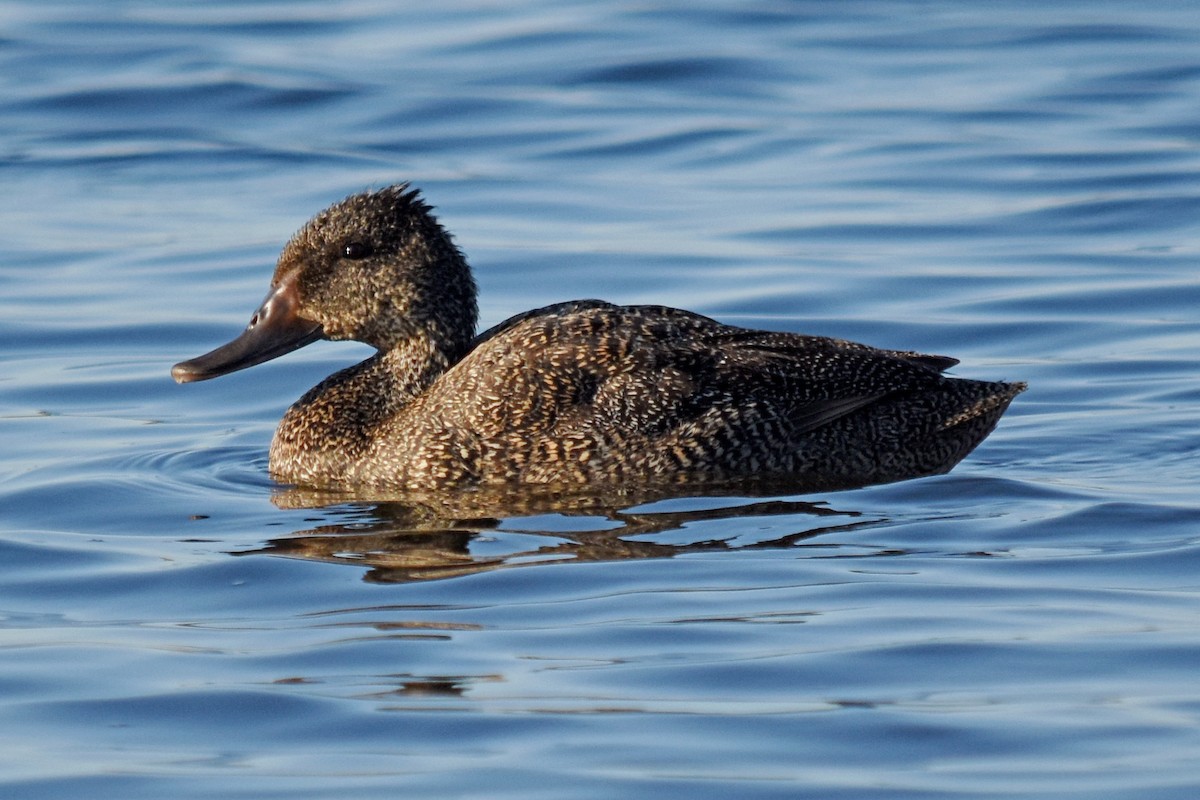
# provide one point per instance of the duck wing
(587, 363)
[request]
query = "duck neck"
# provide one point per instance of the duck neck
(410, 366)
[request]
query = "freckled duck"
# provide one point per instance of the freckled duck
(582, 393)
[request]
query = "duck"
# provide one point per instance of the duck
(578, 394)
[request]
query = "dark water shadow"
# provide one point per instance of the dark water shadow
(408, 537)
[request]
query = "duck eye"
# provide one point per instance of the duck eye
(356, 250)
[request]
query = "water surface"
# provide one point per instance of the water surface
(1014, 186)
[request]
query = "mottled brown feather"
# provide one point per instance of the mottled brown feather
(585, 392)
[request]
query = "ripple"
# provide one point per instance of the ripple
(201, 96)
(681, 71)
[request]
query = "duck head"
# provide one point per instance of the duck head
(375, 268)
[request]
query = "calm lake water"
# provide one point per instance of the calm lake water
(1013, 184)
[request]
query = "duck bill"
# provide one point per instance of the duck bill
(275, 329)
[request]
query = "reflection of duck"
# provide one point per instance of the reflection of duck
(581, 393)
(422, 538)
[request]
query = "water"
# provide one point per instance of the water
(1011, 185)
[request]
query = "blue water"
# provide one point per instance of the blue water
(1012, 184)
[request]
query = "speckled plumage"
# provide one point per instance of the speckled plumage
(584, 393)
